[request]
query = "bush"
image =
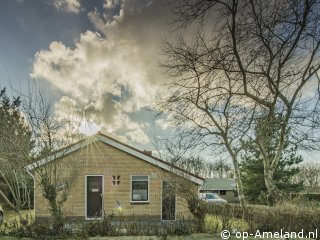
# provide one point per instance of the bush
(179, 227)
(98, 228)
(144, 225)
(41, 232)
(287, 216)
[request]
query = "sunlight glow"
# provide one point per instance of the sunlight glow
(89, 128)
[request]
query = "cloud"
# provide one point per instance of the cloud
(103, 79)
(107, 76)
(72, 6)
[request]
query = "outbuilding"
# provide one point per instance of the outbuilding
(225, 187)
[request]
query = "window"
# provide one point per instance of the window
(115, 180)
(140, 189)
(211, 196)
(208, 191)
(222, 192)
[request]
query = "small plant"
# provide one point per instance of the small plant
(99, 228)
(39, 231)
(179, 227)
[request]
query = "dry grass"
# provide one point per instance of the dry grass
(12, 220)
(215, 223)
(190, 237)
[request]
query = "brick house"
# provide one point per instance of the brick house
(114, 178)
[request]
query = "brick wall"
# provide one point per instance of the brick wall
(102, 159)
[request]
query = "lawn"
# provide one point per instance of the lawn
(190, 237)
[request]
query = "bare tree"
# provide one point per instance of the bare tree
(221, 168)
(309, 174)
(249, 71)
(53, 136)
(16, 184)
(172, 150)
(197, 207)
(32, 146)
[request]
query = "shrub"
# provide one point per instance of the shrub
(179, 227)
(293, 216)
(286, 216)
(41, 232)
(98, 228)
(149, 226)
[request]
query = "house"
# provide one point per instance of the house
(116, 179)
(226, 188)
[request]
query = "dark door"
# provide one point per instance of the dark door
(94, 196)
(168, 200)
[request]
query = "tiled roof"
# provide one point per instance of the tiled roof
(219, 184)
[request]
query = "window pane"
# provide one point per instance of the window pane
(140, 191)
(139, 178)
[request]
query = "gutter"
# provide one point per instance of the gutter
(28, 171)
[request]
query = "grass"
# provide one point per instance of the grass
(202, 236)
(215, 224)
(11, 219)
(190, 237)
(11, 215)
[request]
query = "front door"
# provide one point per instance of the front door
(94, 197)
(168, 200)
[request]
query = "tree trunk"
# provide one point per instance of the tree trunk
(58, 221)
(239, 186)
(237, 179)
(50, 193)
(198, 209)
(274, 192)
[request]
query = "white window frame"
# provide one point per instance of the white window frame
(133, 201)
(85, 191)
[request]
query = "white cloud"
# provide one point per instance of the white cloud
(72, 6)
(110, 4)
(111, 75)
(103, 79)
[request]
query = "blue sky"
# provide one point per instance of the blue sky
(100, 55)
(28, 27)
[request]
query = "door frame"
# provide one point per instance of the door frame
(85, 196)
(175, 201)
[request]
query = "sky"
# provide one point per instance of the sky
(101, 55)
(98, 57)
